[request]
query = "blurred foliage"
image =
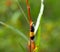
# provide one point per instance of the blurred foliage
(50, 27)
(13, 38)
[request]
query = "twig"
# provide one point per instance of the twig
(29, 14)
(31, 44)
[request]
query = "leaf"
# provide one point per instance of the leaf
(38, 39)
(15, 30)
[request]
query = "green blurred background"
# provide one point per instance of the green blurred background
(14, 31)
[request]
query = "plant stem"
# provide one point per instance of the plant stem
(39, 16)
